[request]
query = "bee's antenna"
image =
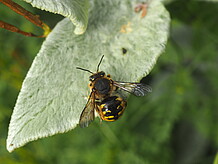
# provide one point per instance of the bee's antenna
(100, 63)
(84, 70)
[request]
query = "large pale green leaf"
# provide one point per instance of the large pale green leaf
(54, 92)
(76, 10)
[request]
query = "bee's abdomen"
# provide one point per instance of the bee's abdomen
(112, 108)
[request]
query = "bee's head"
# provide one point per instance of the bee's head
(96, 76)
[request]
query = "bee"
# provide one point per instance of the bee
(102, 98)
(111, 108)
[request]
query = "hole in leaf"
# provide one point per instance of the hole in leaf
(124, 51)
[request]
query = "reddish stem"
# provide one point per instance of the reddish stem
(21, 11)
(26, 14)
(12, 28)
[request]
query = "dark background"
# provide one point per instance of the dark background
(177, 123)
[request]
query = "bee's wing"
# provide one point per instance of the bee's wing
(88, 113)
(137, 89)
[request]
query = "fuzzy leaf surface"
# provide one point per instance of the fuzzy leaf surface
(75, 10)
(54, 92)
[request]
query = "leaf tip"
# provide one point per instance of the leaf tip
(79, 30)
(10, 147)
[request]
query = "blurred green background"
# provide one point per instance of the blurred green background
(177, 123)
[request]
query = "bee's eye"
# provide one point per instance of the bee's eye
(91, 79)
(102, 73)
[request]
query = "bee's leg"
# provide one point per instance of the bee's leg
(115, 88)
(109, 75)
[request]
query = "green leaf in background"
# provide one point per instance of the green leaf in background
(54, 92)
(209, 0)
(76, 10)
(216, 159)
